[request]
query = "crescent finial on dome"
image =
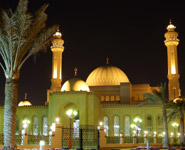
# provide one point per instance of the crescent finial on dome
(25, 96)
(76, 71)
(107, 60)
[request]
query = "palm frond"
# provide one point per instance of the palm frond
(150, 97)
(172, 114)
(23, 23)
(40, 42)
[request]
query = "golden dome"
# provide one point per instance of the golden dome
(75, 84)
(106, 75)
(24, 103)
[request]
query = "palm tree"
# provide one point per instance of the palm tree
(177, 111)
(159, 96)
(21, 36)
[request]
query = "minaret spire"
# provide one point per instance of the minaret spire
(171, 43)
(25, 97)
(57, 49)
(107, 60)
(76, 71)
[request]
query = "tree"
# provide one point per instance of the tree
(177, 111)
(21, 36)
(159, 96)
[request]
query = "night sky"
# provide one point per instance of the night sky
(130, 33)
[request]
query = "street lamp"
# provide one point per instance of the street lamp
(71, 114)
(25, 123)
(175, 125)
(57, 120)
(137, 122)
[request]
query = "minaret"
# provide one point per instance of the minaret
(171, 43)
(57, 49)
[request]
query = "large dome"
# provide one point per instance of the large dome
(106, 75)
(75, 84)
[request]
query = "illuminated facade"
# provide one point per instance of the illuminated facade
(107, 96)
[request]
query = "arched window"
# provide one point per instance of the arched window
(116, 126)
(35, 125)
(17, 125)
(127, 126)
(159, 125)
(106, 125)
(149, 124)
(45, 126)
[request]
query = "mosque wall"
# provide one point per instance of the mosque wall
(149, 114)
(31, 113)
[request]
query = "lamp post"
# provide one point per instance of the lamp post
(71, 114)
(175, 125)
(137, 122)
(25, 123)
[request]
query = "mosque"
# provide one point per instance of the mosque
(107, 95)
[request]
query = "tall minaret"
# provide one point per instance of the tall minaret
(57, 49)
(171, 43)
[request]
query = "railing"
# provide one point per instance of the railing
(35, 139)
(113, 140)
(86, 137)
(128, 139)
(18, 139)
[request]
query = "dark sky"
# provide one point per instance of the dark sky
(130, 33)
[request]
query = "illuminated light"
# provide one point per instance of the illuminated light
(171, 133)
(58, 34)
(55, 74)
(25, 126)
(155, 132)
(133, 125)
(42, 143)
(173, 70)
(101, 123)
(57, 120)
(75, 113)
(53, 127)
(145, 132)
(164, 133)
(134, 132)
(25, 123)
(137, 120)
(178, 134)
(175, 124)
(71, 113)
(60, 75)
(171, 26)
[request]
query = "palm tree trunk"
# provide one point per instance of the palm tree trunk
(181, 127)
(11, 93)
(165, 144)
